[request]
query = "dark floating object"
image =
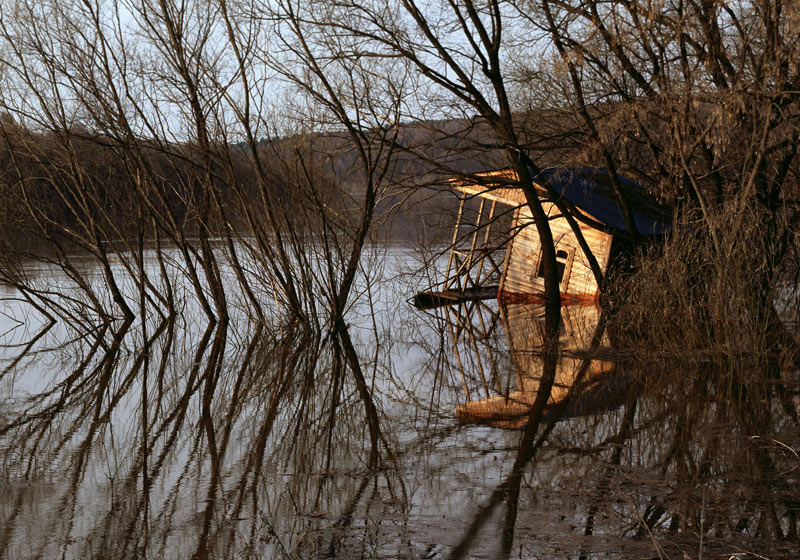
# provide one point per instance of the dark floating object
(430, 300)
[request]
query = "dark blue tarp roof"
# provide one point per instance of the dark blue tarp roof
(591, 190)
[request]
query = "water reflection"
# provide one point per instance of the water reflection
(523, 325)
(175, 436)
(654, 461)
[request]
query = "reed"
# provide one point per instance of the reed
(703, 299)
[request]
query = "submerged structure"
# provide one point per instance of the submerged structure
(475, 270)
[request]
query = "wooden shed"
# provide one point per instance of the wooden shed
(587, 194)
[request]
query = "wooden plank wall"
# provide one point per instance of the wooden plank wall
(522, 263)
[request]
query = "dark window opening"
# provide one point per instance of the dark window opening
(562, 257)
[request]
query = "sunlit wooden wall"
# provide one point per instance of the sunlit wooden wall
(520, 274)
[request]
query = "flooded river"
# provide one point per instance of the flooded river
(168, 435)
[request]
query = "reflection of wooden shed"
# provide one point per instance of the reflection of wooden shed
(524, 327)
(586, 193)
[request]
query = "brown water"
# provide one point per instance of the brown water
(174, 437)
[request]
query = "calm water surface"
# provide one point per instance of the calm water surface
(171, 436)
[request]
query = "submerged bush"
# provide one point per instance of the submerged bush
(708, 293)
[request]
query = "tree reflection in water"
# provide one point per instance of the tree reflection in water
(175, 437)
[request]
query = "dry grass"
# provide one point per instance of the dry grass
(703, 298)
